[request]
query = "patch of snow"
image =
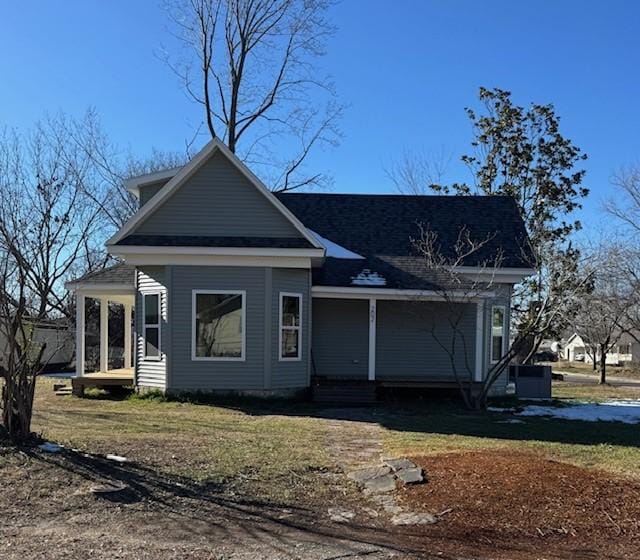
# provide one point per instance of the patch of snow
(626, 411)
(368, 278)
(334, 250)
(49, 447)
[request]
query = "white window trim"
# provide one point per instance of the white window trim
(242, 358)
(298, 328)
(157, 358)
(504, 331)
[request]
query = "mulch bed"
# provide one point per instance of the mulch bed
(517, 505)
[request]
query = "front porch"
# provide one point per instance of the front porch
(113, 285)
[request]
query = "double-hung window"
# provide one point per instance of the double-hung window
(218, 329)
(498, 324)
(290, 327)
(151, 325)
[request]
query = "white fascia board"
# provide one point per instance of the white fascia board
(124, 250)
(187, 171)
(500, 275)
(145, 259)
(133, 184)
(338, 292)
(106, 288)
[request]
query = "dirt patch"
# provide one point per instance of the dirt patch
(51, 512)
(522, 505)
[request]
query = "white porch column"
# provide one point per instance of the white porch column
(372, 339)
(127, 335)
(79, 334)
(104, 334)
(479, 369)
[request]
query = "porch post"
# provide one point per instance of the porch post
(372, 339)
(127, 335)
(479, 369)
(104, 334)
(79, 334)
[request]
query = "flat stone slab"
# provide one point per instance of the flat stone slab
(410, 476)
(399, 464)
(410, 518)
(361, 476)
(340, 515)
(385, 483)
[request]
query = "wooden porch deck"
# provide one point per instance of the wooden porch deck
(122, 377)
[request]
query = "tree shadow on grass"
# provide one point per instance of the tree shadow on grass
(192, 511)
(212, 511)
(433, 416)
(449, 417)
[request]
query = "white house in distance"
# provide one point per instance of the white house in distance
(626, 350)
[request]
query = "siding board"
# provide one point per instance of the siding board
(217, 201)
(340, 338)
(287, 374)
(189, 375)
(151, 373)
(407, 338)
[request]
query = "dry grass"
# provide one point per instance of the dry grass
(206, 443)
(628, 371)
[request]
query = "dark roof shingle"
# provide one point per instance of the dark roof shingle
(384, 229)
(120, 273)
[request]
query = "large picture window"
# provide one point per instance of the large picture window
(498, 317)
(218, 325)
(290, 327)
(151, 325)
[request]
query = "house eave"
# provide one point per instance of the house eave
(126, 250)
(496, 275)
(133, 184)
(357, 292)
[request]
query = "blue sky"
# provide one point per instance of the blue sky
(405, 68)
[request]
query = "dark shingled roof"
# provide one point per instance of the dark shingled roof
(209, 241)
(383, 228)
(120, 273)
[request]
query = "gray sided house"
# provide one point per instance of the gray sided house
(239, 289)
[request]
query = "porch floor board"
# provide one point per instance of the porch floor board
(122, 377)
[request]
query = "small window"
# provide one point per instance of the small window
(218, 325)
(151, 326)
(290, 327)
(497, 333)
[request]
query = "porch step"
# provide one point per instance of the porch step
(344, 393)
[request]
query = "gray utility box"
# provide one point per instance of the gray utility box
(532, 382)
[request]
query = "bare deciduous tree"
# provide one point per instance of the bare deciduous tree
(459, 290)
(50, 227)
(419, 172)
(603, 316)
(625, 206)
(251, 65)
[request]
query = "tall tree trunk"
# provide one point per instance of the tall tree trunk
(603, 365)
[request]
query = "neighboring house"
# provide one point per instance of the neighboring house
(240, 289)
(627, 350)
(57, 337)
